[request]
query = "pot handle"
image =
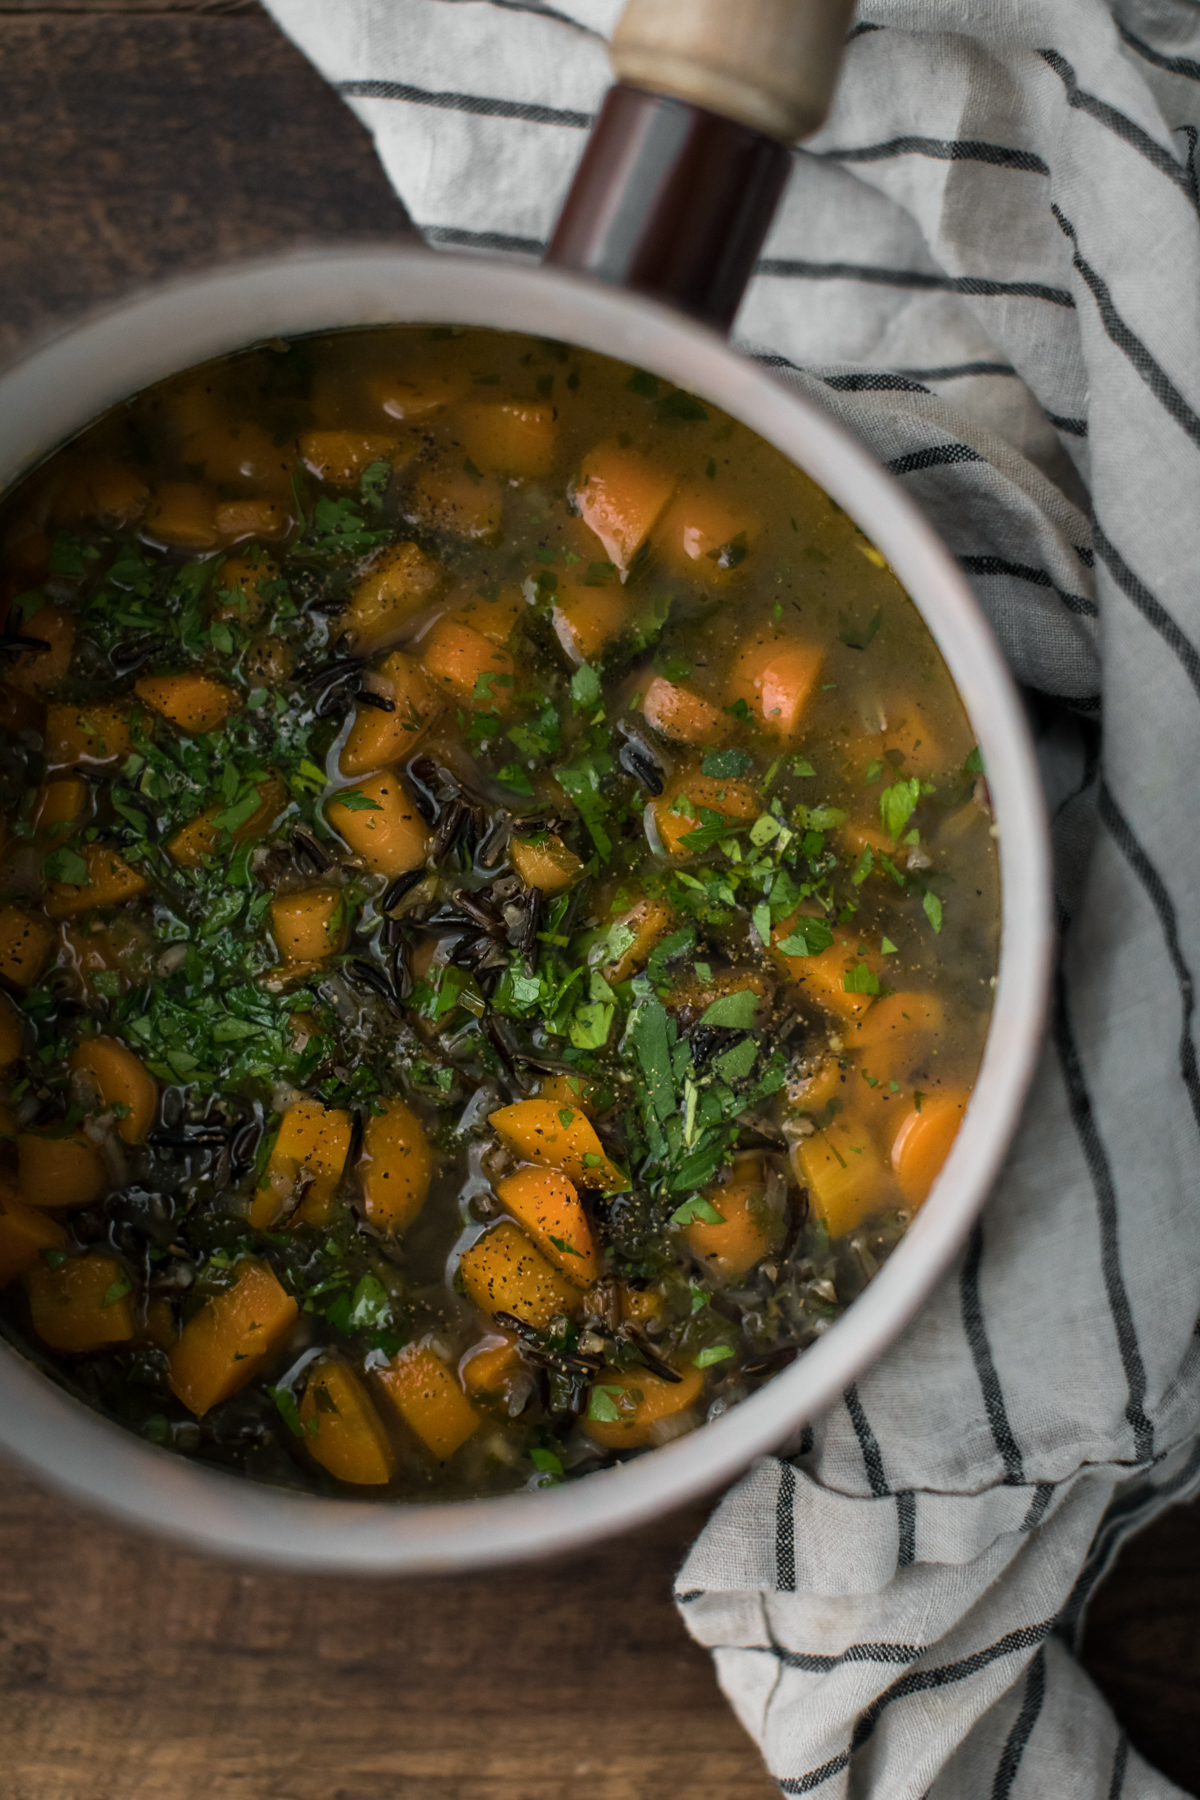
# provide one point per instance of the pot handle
(690, 151)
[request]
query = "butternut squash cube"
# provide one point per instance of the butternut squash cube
(547, 865)
(557, 1137)
(396, 1166)
(342, 1430)
(504, 1272)
(547, 1206)
(226, 1343)
(380, 822)
(122, 1079)
(83, 1305)
(25, 1231)
(426, 1394)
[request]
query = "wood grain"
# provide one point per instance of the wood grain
(128, 1667)
(133, 147)
(141, 138)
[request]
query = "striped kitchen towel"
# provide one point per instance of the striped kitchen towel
(988, 265)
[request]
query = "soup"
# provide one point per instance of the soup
(498, 913)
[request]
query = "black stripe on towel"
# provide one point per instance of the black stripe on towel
(868, 1443)
(1152, 610)
(954, 371)
(485, 106)
(1116, 1786)
(985, 1367)
(537, 8)
(978, 286)
(1001, 156)
(785, 1525)
(1043, 1493)
(998, 565)
(906, 1528)
(1072, 427)
(1118, 123)
(1018, 1737)
(1121, 832)
(1174, 65)
(1099, 1169)
(935, 456)
(1128, 342)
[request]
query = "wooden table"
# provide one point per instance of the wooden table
(140, 138)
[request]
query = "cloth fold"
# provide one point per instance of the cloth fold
(988, 265)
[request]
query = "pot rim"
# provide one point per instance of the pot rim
(67, 382)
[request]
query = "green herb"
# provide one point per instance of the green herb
(974, 762)
(722, 764)
(585, 687)
(713, 1353)
(354, 800)
(548, 1464)
(697, 1211)
(117, 1290)
(66, 865)
(736, 1011)
(897, 805)
(808, 937)
(562, 1245)
(858, 637)
(644, 384)
(860, 980)
(887, 948)
(933, 909)
(289, 1412)
(602, 1406)
(680, 406)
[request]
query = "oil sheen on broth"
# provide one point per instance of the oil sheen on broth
(498, 915)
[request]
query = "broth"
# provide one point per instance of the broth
(498, 920)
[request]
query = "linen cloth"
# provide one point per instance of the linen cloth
(988, 265)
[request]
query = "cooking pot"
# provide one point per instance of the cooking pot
(654, 247)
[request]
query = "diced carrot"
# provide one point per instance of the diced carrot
(25, 1231)
(548, 1207)
(845, 1176)
(703, 535)
(823, 977)
(649, 1409)
(309, 1153)
(237, 520)
(310, 925)
(340, 457)
(641, 1306)
(380, 823)
(677, 811)
(110, 881)
(196, 703)
(105, 491)
(777, 677)
(496, 620)
(896, 1019)
(568, 1091)
(908, 745)
(680, 713)
(238, 586)
(587, 620)
(203, 835)
(378, 738)
(12, 1032)
(922, 1143)
(25, 941)
(396, 1166)
(82, 1305)
(621, 496)
(747, 1228)
(122, 1080)
(60, 805)
(815, 1084)
(225, 1344)
(400, 583)
(509, 437)
(547, 865)
(465, 667)
(342, 1430)
(59, 1172)
(411, 398)
(483, 1369)
(559, 1138)
(649, 921)
(267, 662)
(93, 733)
(857, 836)
(190, 402)
(504, 1272)
(39, 671)
(425, 1393)
(238, 453)
(460, 501)
(183, 516)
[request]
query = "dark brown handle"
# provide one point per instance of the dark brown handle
(690, 152)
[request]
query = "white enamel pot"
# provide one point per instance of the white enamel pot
(61, 387)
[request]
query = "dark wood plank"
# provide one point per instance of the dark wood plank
(130, 1667)
(1143, 1643)
(139, 146)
